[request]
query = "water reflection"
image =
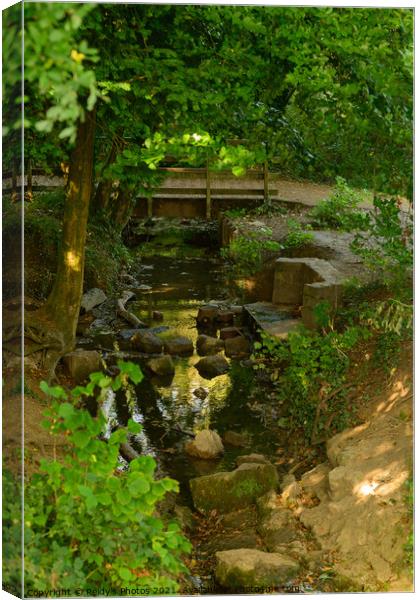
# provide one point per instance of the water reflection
(170, 414)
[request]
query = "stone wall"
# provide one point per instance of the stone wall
(306, 282)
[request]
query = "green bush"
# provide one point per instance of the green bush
(89, 524)
(339, 211)
(106, 255)
(248, 251)
(387, 245)
(296, 236)
(309, 372)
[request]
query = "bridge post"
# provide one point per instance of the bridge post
(150, 207)
(208, 192)
(266, 198)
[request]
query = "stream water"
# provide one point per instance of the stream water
(169, 413)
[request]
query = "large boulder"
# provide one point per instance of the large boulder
(163, 366)
(206, 444)
(81, 363)
(244, 570)
(212, 366)
(237, 346)
(92, 298)
(207, 345)
(147, 342)
(227, 491)
(178, 346)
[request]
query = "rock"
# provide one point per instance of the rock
(206, 444)
(245, 568)
(157, 315)
(239, 519)
(179, 346)
(127, 278)
(267, 503)
(291, 490)
(159, 329)
(224, 316)
(162, 366)
(212, 366)
(228, 491)
(184, 517)
(252, 458)
(315, 482)
(146, 341)
(237, 440)
(124, 338)
(84, 322)
(246, 538)
(277, 528)
(92, 298)
(143, 288)
(237, 346)
(209, 345)
(81, 363)
(201, 393)
(229, 332)
(104, 337)
(207, 314)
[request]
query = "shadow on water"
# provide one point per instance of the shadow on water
(171, 414)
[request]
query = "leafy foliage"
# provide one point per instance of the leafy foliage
(309, 373)
(296, 236)
(339, 211)
(387, 246)
(87, 523)
(248, 251)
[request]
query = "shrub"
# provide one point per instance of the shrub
(296, 236)
(387, 246)
(89, 524)
(247, 251)
(309, 372)
(339, 211)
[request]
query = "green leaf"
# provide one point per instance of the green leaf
(125, 573)
(133, 427)
(55, 391)
(138, 485)
(80, 438)
(65, 410)
(132, 370)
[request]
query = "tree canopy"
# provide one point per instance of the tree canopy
(114, 89)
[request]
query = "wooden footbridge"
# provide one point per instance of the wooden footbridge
(193, 192)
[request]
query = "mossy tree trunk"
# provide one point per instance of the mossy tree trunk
(52, 328)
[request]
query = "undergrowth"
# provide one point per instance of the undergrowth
(89, 524)
(105, 251)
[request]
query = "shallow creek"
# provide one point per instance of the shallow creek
(171, 413)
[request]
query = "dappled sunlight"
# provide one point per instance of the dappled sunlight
(72, 260)
(381, 482)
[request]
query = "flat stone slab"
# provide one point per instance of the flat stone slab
(275, 320)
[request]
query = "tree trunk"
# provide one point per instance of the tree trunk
(101, 199)
(121, 208)
(52, 328)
